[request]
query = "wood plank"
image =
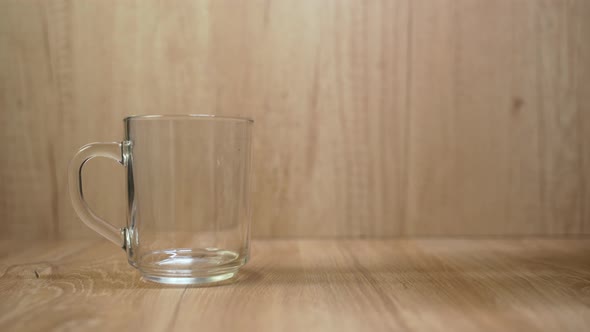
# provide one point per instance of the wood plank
(582, 87)
(561, 96)
(506, 120)
(373, 119)
(293, 285)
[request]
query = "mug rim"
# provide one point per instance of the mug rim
(186, 116)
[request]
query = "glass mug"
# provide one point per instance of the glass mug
(188, 219)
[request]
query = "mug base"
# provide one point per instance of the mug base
(185, 266)
(204, 280)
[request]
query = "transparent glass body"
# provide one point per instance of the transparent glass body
(188, 195)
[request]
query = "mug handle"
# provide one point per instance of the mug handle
(111, 150)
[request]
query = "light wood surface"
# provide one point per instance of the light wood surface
(303, 285)
(373, 118)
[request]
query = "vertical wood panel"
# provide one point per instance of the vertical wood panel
(582, 74)
(375, 118)
(558, 63)
(474, 151)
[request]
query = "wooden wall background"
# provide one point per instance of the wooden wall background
(373, 118)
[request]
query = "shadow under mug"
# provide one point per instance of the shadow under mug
(188, 219)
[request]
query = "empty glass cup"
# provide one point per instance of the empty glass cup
(188, 177)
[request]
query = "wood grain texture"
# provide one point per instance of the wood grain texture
(374, 118)
(302, 285)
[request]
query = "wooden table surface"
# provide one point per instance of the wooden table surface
(305, 285)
